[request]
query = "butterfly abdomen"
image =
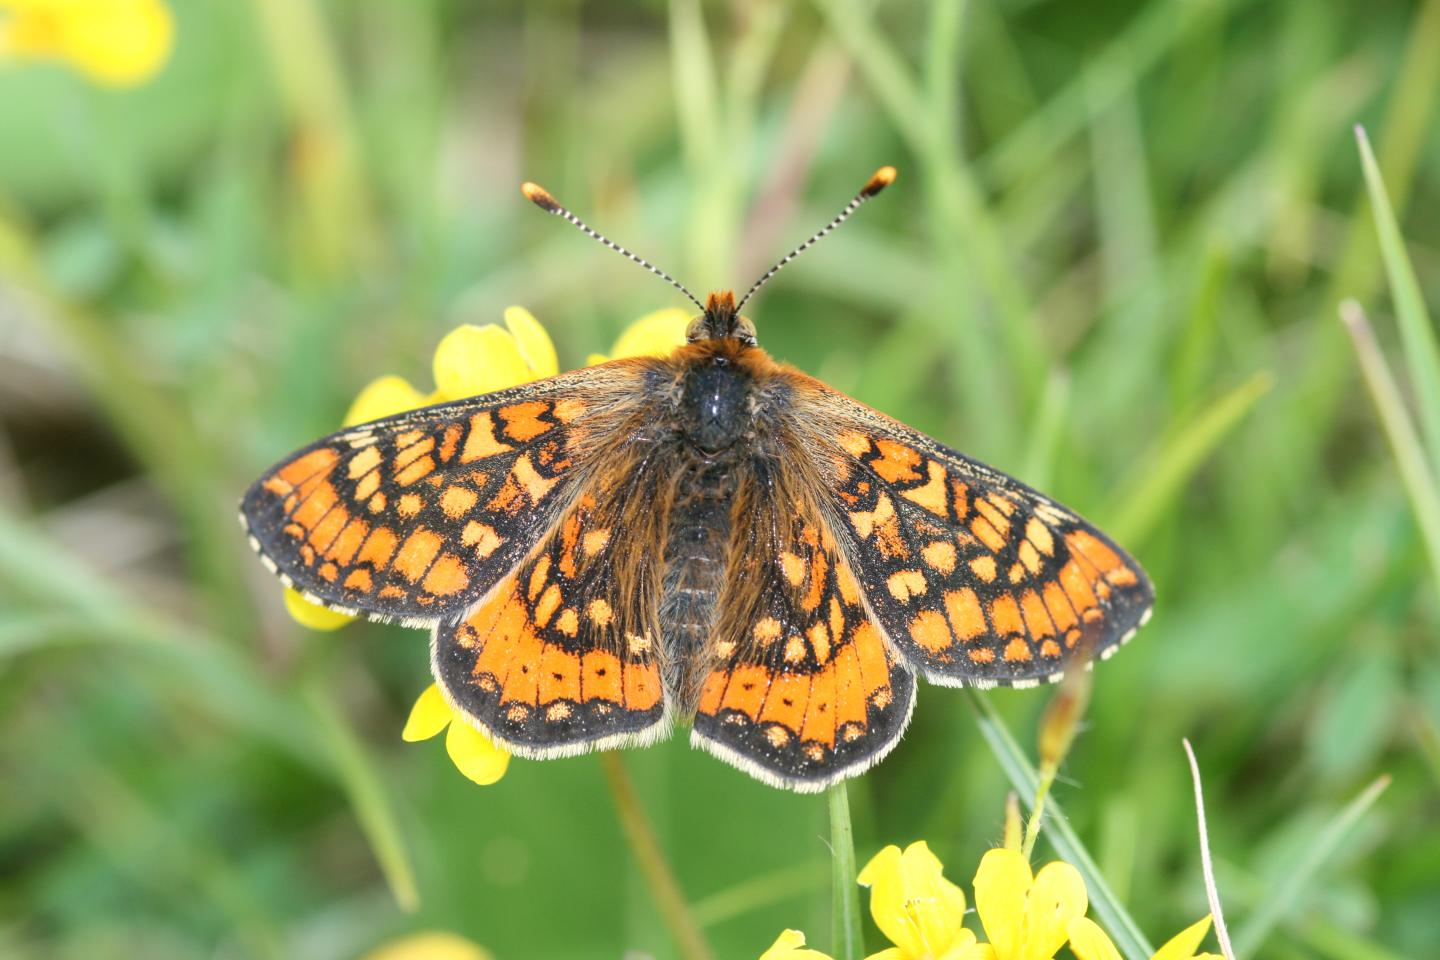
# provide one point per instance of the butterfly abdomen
(695, 559)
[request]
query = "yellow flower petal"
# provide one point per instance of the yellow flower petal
(313, 615)
(887, 900)
(913, 904)
(1183, 945)
(1001, 885)
(381, 398)
(472, 360)
(653, 335)
(474, 755)
(114, 42)
(428, 716)
(1057, 897)
(937, 906)
(790, 946)
(965, 948)
(429, 945)
(535, 344)
(1089, 942)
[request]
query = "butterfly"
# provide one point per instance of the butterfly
(711, 536)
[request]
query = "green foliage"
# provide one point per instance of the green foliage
(1112, 262)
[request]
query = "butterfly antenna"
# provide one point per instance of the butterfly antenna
(541, 197)
(882, 179)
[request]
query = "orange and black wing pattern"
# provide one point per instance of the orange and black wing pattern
(419, 515)
(564, 655)
(798, 687)
(974, 577)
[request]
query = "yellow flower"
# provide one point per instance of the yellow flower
(471, 751)
(916, 907)
(117, 43)
(653, 335)
(381, 398)
(428, 945)
(1089, 942)
(790, 945)
(472, 360)
(1026, 915)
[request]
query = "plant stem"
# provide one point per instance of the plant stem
(653, 865)
(1037, 808)
(364, 786)
(849, 939)
(1206, 865)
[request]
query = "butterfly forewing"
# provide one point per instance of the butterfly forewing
(973, 576)
(420, 514)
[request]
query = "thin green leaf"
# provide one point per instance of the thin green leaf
(1283, 895)
(1422, 352)
(1415, 471)
(365, 788)
(1139, 507)
(787, 883)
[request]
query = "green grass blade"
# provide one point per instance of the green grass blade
(1140, 507)
(365, 788)
(848, 942)
(1422, 352)
(151, 848)
(777, 886)
(1024, 778)
(700, 113)
(1415, 473)
(1330, 941)
(1137, 47)
(1251, 936)
(963, 223)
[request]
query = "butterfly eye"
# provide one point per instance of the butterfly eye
(696, 331)
(745, 331)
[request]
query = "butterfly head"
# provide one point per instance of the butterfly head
(721, 320)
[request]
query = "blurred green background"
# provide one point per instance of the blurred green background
(1111, 265)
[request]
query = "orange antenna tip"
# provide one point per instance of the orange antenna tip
(882, 179)
(539, 196)
(878, 181)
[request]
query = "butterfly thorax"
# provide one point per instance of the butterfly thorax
(714, 407)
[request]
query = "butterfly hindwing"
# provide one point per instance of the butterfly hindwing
(799, 688)
(418, 515)
(973, 576)
(564, 655)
